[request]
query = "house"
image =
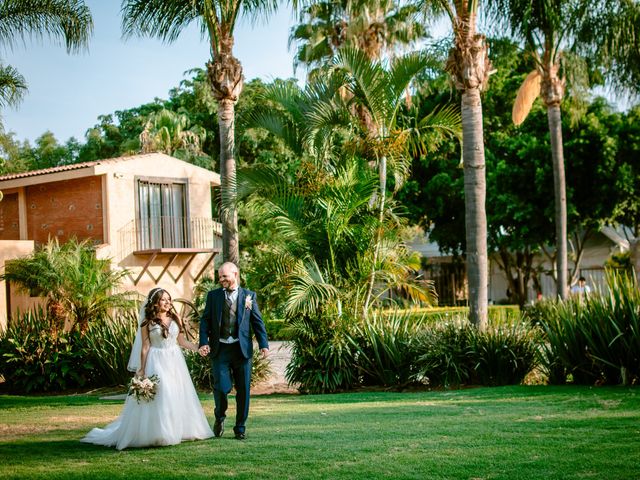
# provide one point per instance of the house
(448, 272)
(150, 214)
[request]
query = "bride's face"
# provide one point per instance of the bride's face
(164, 303)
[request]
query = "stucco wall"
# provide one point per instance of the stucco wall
(10, 249)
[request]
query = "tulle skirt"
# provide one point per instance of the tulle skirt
(173, 416)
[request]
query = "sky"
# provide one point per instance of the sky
(67, 93)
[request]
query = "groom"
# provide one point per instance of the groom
(230, 314)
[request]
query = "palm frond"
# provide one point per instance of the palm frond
(527, 94)
(64, 21)
(12, 86)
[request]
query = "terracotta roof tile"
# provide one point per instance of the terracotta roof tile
(65, 168)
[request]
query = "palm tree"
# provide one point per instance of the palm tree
(363, 99)
(67, 21)
(469, 67)
(165, 19)
(170, 132)
(377, 28)
(552, 32)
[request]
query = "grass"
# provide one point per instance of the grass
(486, 433)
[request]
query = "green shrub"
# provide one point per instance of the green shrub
(456, 353)
(322, 355)
(384, 346)
(595, 339)
(107, 343)
(505, 354)
(497, 314)
(37, 357)
(277, 329)
(445, 356)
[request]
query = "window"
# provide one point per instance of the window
(162, 214)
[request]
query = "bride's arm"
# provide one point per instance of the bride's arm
(144, 351)
(184, 343)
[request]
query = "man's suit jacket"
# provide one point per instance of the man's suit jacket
(248, 319)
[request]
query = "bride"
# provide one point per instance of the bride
(175, 413)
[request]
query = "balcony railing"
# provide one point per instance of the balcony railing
(169, 233)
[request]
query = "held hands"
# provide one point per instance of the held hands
(204, 350)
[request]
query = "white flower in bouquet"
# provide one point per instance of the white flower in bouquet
(144, 389)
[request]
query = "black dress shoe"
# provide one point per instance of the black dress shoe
(218, 428)
(240, 436)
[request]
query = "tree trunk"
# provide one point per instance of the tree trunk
(469, 66)
(475, 212)
(226, 81)
(560, 195)
(226, 125)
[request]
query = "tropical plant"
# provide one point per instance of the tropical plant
(377, 28)
(171, 133)
(595, 339)
(77, 286)
(166, 19)
(37, 357)
(352, 112)
(385, 349)
(322, 356)
(469, 67)
(106, 344)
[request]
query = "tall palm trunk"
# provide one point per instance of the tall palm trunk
(226, 80)
(226, 127)
(469, 67)
(475, 212)
(552, 94)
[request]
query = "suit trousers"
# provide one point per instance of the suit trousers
(231, 368)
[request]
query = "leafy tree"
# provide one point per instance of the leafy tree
(551, 32)
(166, 19)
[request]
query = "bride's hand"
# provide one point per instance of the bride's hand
(140, 373)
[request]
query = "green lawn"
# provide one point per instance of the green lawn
(485, 433)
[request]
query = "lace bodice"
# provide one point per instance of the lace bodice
(158, 341)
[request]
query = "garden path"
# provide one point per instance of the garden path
(279, 356)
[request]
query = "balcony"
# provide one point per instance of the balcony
(168, 238)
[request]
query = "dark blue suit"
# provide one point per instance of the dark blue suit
(232, 360)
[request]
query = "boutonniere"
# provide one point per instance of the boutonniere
(248, 302)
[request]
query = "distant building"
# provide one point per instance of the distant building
(150, 214)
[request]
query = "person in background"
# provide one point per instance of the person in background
(581, 288)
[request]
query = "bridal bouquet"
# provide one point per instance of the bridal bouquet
(144, 389)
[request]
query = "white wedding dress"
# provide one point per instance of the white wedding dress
(174, 415)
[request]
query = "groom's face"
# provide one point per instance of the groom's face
(228, 277)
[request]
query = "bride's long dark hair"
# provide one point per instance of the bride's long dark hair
(151, 310)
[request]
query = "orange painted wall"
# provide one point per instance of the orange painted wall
(66, 209)
(9, 224)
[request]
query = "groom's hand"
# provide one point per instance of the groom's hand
(265, 352)
(204, 350)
